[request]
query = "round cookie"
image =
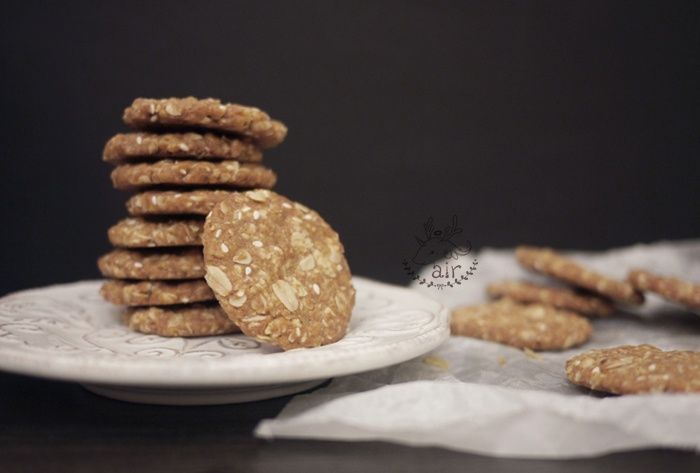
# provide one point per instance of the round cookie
(196, 202)
(556, 297)
(147, 265)
(547, 261)
(190, 112)
(533, 326)
(194, 320)
(187, 173)
(144, 145)
(278, 270)
(140, 233)
(672, 289)
(140, 293)
(636, 369)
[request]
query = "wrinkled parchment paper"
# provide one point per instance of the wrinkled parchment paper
(486, 398)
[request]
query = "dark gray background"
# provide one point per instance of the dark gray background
(571, 124)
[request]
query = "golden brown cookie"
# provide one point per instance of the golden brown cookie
(278, 270)
(147, 265)
(187, 173)
(533, 326)
(547, 261)
(556, 297)
(196, 202)
(140, 293)
(211, 114)
(144, 145)
(672, 289)
(180, 321)
(140, 233)
(636, 369)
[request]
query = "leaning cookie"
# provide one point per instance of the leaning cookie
(149, 265)
(672, 289)
(196, 202)
(187, 173)
(141, 233)
(557, 297)
(194, 320)
(142, 293)
(635, 370)
(533, 326)
(211, 114)
(154, 146)
(547, 261)
(278, 270)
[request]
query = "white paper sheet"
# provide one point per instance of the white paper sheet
(497, 400)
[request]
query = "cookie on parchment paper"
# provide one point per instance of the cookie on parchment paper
(635, 370)
(193, 320)
(211, 114)
(142, 293)
(278, 270)
(141, 233)
(557, 297)
(551, 263)
(187, 173)
(672, 289)
(533, 326)
(149, 264)
(196, 202)
(154, 146)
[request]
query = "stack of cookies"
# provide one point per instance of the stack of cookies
(184, 157)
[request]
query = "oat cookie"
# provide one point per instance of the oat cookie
(673, 289)
(144, 145)
(547, 261)
(147, 265)
(190, 112)
(533, 326)
(141, 233)
(636, 369)
(197, 202)
(180, 321)
(278, 270)
(140, 293)
(557, 297)
(186, 173)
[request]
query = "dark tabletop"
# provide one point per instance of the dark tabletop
(53, 426)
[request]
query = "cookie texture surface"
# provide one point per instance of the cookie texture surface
(635, 370)
(186, 173)
(144, 145)
(551, 263)
(196, 202)
(141, 233)
(145, 265)
(672, 289)
(212, 114)
(141, 293)
(278, 270)
(533, 326)
(556, 297)
(194, 320)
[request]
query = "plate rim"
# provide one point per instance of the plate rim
(65, 368)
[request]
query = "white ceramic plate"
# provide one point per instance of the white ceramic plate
(68, 332)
